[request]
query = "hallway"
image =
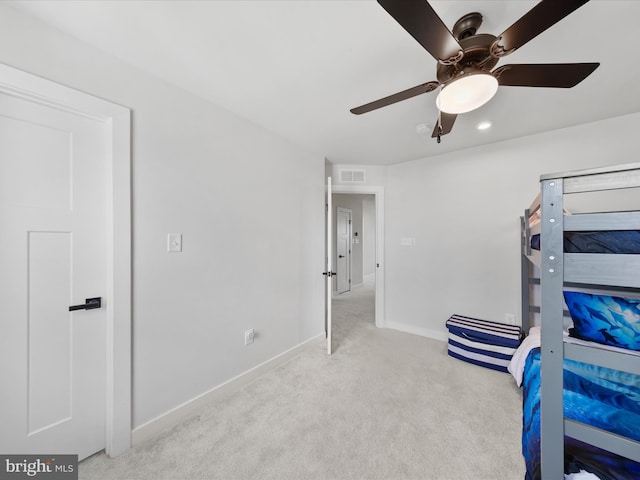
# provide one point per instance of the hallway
(353, 311)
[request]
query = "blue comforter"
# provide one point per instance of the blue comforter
(597, 396)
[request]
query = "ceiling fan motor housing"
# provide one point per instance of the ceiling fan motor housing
(477, 55)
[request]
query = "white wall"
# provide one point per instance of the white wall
(250, 207)
(463, 209)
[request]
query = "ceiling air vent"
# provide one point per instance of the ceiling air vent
(352, 176)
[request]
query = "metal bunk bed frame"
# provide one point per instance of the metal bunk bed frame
(557, 270)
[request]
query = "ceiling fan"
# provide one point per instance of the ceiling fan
(465, 58)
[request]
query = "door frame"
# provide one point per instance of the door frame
(378, 193)
(117, 120)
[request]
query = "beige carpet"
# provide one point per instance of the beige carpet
(386, 405)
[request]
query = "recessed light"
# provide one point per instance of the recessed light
(484, 125)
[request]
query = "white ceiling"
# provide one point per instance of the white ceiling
(297, 67)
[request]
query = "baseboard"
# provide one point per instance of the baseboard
(423, 332)
(177, 415)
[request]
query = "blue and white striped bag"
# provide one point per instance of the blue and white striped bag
(481, 342)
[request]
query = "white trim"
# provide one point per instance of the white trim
(188, 409)
(378, 192)
(119, 403)
(329, 272)
(423, 332)
(118, 296)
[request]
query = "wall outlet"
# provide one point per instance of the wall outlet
(510, 318)
(248, 336)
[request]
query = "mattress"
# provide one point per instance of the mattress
(608, 241)
(597, 396)
(482, 342)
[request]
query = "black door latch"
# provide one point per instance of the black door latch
(90, 304)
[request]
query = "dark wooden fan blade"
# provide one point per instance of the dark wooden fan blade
(531, 24)
(396, 97)
(423, 23)
(447, 120)
(557, 75)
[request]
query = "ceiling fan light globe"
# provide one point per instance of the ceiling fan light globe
(467, 93)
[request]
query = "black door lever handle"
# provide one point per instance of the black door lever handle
(90, 304)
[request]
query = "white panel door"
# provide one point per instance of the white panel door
(329, 272)
(343, 250)
(53, 255)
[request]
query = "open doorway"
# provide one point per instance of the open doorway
(354, 256)
(377, 277)
(354, 241)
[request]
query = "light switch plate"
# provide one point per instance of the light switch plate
(174, 242)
